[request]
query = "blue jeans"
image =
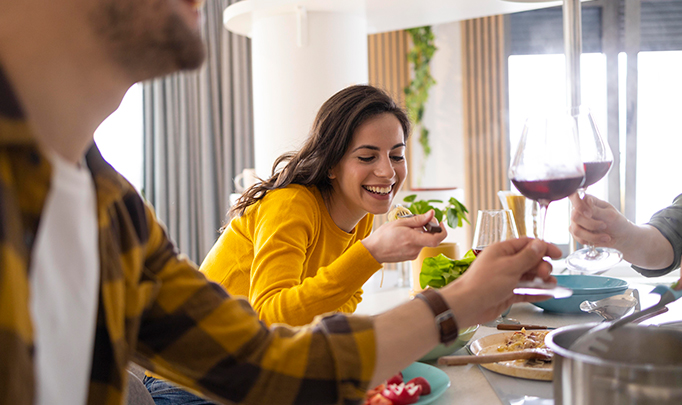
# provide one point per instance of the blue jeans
(165, 393)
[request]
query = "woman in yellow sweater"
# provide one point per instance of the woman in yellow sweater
(299, 243)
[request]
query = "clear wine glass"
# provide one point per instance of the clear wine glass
(494, 226)
(547, 166)
(597, 159)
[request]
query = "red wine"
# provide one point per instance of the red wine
(548, 190)
(477, 251)
(594, 171)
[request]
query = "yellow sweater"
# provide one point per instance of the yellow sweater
(288, 257)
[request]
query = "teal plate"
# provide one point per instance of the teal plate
(436, 377)
(585, 287)
(587, 284)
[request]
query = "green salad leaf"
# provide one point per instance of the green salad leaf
(454, 211)
(438, 271)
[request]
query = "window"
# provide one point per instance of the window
(120, 137)
(536, 79)
(536, 82)
(659, 134)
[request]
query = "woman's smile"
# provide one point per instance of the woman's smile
(380, 191)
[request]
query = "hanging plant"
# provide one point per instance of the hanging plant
(417, 92)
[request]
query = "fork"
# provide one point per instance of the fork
(401, 212)
(597, 340)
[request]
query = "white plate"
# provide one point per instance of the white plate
(490, 343)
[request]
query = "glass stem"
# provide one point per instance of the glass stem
(592, 252)
(542, 217)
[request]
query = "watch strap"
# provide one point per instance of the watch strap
(445, 320)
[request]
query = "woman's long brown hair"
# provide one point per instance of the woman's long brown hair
(331, 134)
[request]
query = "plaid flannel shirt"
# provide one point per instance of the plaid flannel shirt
(154, 306)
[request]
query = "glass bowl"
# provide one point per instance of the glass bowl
(464, 337)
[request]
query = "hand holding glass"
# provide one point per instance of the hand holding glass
(597, 158)
(494, 226)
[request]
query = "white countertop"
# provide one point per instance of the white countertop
(468, 383)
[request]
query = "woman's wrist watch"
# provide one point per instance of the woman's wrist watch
(445, 320)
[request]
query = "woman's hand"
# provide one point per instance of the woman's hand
(596, 222)
(402, 239)
(599, 223)
(485, 289)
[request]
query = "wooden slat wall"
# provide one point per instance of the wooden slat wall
(389, 69)
(485, 112)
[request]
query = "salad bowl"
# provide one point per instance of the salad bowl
(464, 337)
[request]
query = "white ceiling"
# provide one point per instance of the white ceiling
(382, 15)
(391, 15)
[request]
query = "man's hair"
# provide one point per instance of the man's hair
(330, 137)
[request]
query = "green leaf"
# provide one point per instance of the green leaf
(410, 198)
(420, 207)
(454, 213)
(453, 218)
(417, 92)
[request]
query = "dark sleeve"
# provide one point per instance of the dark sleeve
(669, 222)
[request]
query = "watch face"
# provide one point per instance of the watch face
(447, 326)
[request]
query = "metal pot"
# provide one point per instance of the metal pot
(644, 366)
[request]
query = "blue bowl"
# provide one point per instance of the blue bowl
(591, 288)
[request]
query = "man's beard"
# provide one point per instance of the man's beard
(146, 49)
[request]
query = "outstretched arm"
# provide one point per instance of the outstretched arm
(480, 295)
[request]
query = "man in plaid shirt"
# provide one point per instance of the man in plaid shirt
(88, 278)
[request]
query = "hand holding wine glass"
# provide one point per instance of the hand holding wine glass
(494, 226)
(597, 158)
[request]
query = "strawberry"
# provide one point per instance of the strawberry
(402, 394)
(421, 381)
(396, 379)
(378, 399)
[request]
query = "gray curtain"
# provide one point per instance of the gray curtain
(198, 133)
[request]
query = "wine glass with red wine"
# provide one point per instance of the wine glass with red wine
(494, 226)
(597, 159)
(547, 166)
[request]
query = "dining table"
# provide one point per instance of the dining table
(472, 384)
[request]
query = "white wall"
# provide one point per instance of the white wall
(296, 67)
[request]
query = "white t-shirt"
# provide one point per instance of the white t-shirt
(64, 283)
